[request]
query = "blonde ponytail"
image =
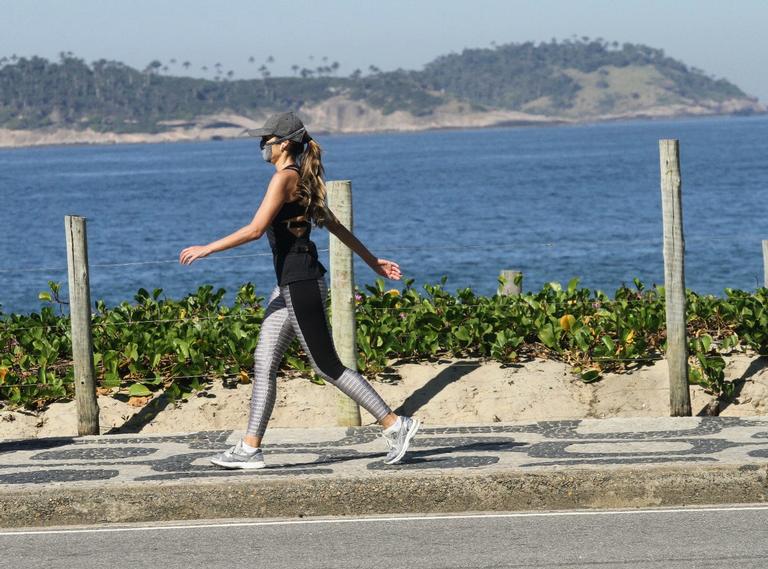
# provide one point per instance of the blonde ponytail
(312, 191)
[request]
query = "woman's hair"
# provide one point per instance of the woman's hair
(312, 191)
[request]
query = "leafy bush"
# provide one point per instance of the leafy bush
(180, 346)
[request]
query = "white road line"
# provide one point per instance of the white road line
(392, 519)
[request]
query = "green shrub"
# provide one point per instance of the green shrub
(179, 346)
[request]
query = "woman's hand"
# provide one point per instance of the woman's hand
(190, 254)
(386, 268)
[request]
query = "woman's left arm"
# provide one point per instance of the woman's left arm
(384, 267)
(270, 205)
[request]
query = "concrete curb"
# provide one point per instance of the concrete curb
(394, 493)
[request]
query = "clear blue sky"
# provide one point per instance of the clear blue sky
(724, 38)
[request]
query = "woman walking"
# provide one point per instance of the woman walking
(294, 200)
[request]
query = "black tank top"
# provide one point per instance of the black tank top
(295, 258)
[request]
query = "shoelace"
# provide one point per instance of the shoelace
(238, 450)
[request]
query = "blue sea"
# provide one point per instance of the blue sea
(554, 202)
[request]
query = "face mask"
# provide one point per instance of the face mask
(266, 153)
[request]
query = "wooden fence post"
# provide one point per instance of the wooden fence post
(513, 283)
(765, 263)
(674, 278)
(343, 297)
(80, 318)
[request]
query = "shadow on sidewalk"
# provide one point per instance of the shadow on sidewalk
(35, 444)
(426, 392)
(413, 456)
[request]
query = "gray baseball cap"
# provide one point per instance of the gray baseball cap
(286, 126)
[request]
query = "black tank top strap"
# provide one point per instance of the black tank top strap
(292, 167)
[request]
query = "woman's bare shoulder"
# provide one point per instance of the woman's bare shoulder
(287, 182)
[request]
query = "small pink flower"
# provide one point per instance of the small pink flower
(402, 316)
(358, 297)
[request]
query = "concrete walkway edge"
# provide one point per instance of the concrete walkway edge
(395, 494)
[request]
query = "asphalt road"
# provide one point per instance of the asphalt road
(642, 539)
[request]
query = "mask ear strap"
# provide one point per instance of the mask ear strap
(292, 134)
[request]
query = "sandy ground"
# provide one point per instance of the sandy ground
(447, 391)
(340, 114)
(335, 115)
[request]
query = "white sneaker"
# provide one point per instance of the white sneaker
(399, 440)
(238, 457)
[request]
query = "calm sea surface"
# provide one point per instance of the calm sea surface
(554, 202)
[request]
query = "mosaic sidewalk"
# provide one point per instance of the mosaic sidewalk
(564, 456)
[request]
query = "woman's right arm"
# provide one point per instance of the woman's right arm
(273, 199)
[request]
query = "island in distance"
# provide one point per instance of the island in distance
(515, 84)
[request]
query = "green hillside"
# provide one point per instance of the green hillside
(573, 78)
(518, 76)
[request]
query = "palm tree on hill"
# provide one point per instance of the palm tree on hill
(153, 66)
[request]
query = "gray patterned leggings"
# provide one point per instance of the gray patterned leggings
(298, 309)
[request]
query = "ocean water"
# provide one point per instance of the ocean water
(554, 202)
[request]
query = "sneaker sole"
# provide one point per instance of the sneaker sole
(239, 465)
(408, 438)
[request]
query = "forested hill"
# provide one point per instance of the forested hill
(573, 79)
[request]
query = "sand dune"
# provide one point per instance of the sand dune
(447, 391)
